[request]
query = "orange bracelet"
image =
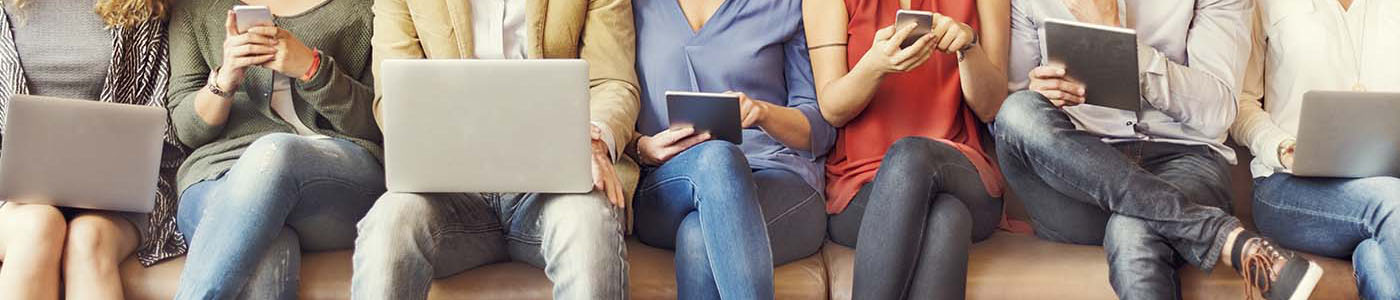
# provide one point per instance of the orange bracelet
(315, 65)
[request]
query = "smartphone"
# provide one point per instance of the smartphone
(252, 15)
(924, 19)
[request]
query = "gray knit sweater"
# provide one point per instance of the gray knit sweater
(337, 102)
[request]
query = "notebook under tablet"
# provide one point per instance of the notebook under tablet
(1348, 135)
(82, 154)
(1103, 58)
(486, 126)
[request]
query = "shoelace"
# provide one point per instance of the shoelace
(1262, 260)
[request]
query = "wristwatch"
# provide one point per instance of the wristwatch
(214, 87)
(962, 53)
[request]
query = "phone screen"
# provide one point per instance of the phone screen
(252, 15)
(924, 20)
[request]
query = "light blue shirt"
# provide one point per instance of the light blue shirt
(755, 47)
(1191, 61)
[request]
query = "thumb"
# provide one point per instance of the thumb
(231, 24)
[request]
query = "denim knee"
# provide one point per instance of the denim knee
(911, 155)
(690, 240)
(950, 217)
(1126, 239)
(275, 154)
(1022, 116)
(396, 220)
(717, 157)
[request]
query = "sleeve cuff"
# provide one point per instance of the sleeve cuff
(1152, 71)
(1266, 148)
(822, 133)
(608, 138)
(324, 72)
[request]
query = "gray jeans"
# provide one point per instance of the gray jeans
(1153, 205)
(407, 240)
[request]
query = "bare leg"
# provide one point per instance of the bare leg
(97, 244)
(31, 242)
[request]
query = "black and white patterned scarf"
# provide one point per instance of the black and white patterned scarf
(139, 74)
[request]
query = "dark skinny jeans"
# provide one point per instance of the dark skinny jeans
(916, 222)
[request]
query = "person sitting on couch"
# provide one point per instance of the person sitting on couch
(1303, 45)
(409, 239)
(724, 206)
(1152, 186)
(286, 152)
(911, 186)
(116, 53)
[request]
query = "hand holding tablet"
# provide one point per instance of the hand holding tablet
(1089, 64)
(712, 113)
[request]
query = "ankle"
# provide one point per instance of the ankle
(1227, 250)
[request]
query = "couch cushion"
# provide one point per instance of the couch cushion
(1015, 266)
(327, 276)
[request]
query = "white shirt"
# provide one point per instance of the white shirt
(1191, 56)
(1303, 45)
(282, 105)
(498, 29)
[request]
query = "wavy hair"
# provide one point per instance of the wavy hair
(121, 13)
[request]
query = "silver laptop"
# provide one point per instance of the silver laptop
(83, 154)
(1348, 135)
(486, 126)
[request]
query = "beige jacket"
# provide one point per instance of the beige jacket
(598, 31)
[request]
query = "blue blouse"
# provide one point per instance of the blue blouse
(755, 47)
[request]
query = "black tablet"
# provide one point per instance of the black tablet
(1104, 58)
(715, 113)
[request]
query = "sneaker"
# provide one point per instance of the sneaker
(1276, 273)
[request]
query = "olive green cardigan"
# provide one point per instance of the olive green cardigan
(338, 102)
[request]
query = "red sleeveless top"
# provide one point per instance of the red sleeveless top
(926, 101)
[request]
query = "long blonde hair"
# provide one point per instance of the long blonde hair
(122, 13)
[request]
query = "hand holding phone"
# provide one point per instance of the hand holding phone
(243, 49)
(923, 24)
(252, 15)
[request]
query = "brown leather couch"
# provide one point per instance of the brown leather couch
(1007, 266)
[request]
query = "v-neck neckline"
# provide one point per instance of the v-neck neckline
(685, 20)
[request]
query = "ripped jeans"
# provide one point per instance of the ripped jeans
(287, 193)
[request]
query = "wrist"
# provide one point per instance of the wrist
(312, 67)
(218, 86)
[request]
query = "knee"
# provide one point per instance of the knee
(275, 153)
(394, 216)
(717, 156)
(951, 217)
(690, 239)
(1125, 235)
(1020, 115)
(47, 226)
(94, 238)
(910, 154)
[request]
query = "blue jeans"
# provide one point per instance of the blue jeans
(1337, 217)
(1148, 203)
(719, 215)
(286, 194)
(407, 240)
